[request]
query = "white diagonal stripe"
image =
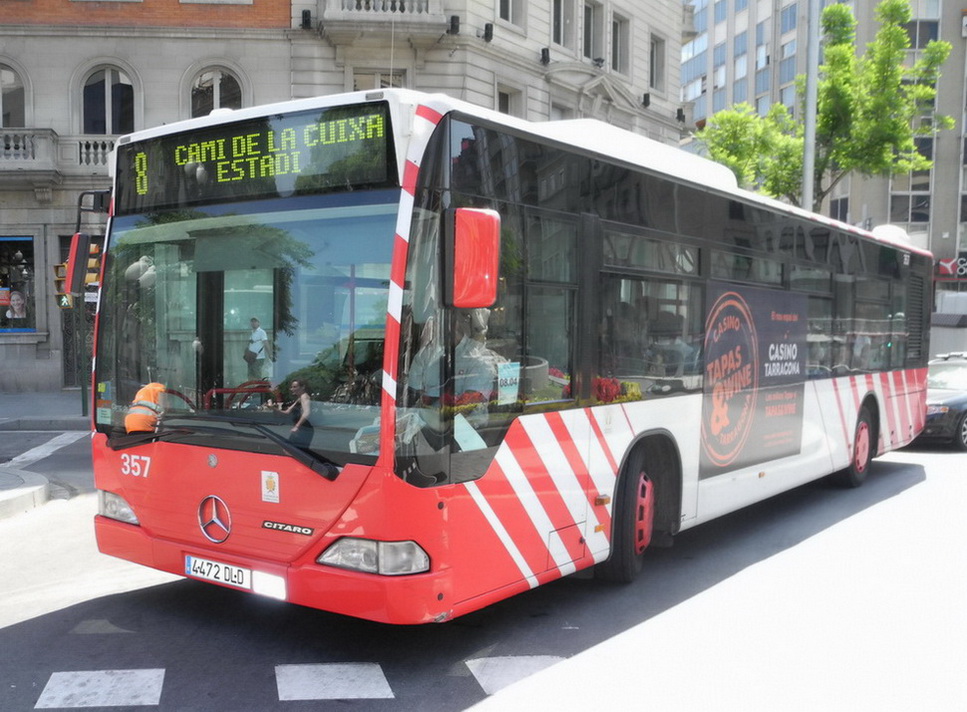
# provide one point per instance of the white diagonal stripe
(535, 510)
(45, 450)
(501, 532)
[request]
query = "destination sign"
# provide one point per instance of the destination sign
(321, 150)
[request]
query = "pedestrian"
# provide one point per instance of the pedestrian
(255, 351)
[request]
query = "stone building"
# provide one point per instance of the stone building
(76, 74)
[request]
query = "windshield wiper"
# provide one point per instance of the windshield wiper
(122, 442)
(317, 463)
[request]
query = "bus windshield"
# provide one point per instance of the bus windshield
(236, 309)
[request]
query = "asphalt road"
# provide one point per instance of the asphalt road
(708, 620)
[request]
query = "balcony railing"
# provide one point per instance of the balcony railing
(411, 7)
(39, 157)
(22, 144)
(419, 21)
(94, 151)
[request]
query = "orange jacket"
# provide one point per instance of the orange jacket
(143, 413)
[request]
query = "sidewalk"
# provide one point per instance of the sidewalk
(60, 411)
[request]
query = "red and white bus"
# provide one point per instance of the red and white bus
(489, 353)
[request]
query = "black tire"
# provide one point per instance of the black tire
(631, 525)
(864, 448)
(960, 435)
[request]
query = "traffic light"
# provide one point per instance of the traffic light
(82, 268)
(61, 294)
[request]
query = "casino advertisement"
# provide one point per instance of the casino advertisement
(755, 368)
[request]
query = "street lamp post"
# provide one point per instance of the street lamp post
(809, 133)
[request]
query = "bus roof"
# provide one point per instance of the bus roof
(590, 135)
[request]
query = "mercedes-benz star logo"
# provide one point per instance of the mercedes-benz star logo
(214, 519)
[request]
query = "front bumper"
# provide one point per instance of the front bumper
(420, 598)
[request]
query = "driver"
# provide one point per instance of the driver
(145, 409)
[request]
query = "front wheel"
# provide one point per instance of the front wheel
(960, 435)
(863, 450)
(632, 522)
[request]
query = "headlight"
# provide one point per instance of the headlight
(114, 506)
(388, 558)
(937, 409)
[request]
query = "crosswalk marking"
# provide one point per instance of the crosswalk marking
(498, 672)
(102, 688)
(332, 681)
(305, 682)
(45, 450)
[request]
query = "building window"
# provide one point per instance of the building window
(788, 19)
(720, 10)
(926, 23)
(922, 31)
(718, 100)
(592, 31)
(215, 89)
(718, 66)
(620, 39)
(916, 181)
(11, 98)
(561, 113)
(787, 97)
(741, 66)
(910, 208)
(910, 193)
(693, 90)
(656, 64)
(839, 209)
(510, 10)
(787, 65)
(17, 303)
(761, 45)
(108, 102)
(510, 101)
(740, 91)
(364, 80)
(562, 23)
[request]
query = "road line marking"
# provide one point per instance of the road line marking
(332, 681)
(45, 450)
(102, 688)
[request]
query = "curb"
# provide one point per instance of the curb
(45, 422)
(21, 491)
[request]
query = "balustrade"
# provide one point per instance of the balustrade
(413, 7)
(40, 155)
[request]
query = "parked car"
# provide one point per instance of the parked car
(947, 400)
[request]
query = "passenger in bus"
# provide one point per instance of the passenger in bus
(301, 433)
(475, 366)
(145, 409)
(474, 372)
(668, 353)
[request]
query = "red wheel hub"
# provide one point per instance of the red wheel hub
(644, 513)
(861, 450)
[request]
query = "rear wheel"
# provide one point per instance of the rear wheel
(632, 522)
(863, 451)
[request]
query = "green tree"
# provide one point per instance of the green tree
(870, 110)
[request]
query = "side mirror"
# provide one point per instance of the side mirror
(476, 257)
